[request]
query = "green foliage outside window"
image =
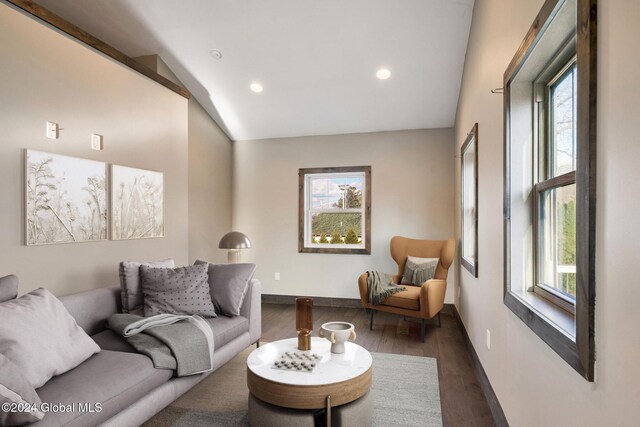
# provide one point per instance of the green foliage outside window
(568, 256)
(351, 237)
(336, 238)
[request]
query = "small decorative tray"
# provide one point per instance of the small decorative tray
(294, 361)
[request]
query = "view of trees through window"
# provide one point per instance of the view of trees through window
(558, 203)
(337, 209)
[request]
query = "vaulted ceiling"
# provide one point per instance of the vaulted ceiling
(316, 60)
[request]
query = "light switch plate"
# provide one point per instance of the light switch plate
(96, 141)
(277, 275)
(488, 339)
(52, 130)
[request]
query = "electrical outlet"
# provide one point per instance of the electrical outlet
(277, 275)
(96, 141)
(488, 339)
(52, 130)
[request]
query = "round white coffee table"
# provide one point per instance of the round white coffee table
(337, 379)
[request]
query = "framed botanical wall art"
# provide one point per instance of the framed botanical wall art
(137, 203)
(65, 199)
(469, 206)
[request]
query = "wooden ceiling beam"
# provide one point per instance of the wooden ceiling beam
(83, 36)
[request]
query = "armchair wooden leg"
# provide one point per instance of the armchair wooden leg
(439, 320)
(422, 328)
(371, 321)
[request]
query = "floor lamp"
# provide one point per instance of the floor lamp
(234, 242)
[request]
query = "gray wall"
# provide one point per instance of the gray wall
(48, 76)
(534, 385)
(412, 183)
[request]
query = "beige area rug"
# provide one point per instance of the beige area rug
(221, 399)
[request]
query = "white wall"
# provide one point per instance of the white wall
(48, 76)
(534, 385)
(412, 184)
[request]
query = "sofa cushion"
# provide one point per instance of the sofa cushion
(38, 334)
(182, 290)
(109, 340)
(228, 285)
(226, 329)
(113, 379)
(8, 287)
(16, 391)
(131, 295)
(409, 299)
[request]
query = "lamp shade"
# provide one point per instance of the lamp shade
(234, 240)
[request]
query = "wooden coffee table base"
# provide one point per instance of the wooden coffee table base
(308, 397)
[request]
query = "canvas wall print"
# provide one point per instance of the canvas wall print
(65, 199)
(137, 203)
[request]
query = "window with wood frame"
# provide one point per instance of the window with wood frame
(550, 180)
(335, 210)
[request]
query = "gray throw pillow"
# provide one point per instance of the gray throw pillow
(8, 288)
(182, 290)
(419, 270)
(15, 391)
(130, 289)
(40, 337)
(229, 284)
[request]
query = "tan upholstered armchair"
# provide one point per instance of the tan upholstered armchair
(424, 301)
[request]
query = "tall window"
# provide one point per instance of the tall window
(334, 210)
(556, 189)
(550, 180)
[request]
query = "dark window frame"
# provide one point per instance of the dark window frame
(302, 173)
(472, 138)
(578, 350)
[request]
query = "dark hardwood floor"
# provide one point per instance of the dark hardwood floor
(462, 399)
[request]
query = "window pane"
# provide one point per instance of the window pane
(329, 227)
(337, 192)
(469, 204)
(557, 239)
(564, 121)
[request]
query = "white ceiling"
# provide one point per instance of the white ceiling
(316, 59)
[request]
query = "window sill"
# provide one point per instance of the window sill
(559, 317)
(553, 325)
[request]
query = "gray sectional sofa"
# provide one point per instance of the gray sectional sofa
(125, 383)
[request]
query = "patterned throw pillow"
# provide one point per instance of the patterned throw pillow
(419, 270)
(182, 290)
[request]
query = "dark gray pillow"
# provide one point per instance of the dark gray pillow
(182, 290)
(16, 391)
(229, 284)
(8, 287)
(419, 270)
(130, 290)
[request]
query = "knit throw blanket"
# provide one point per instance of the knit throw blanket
(179, 342)
(381, 286)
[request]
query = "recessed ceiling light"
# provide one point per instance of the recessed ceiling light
(216, 54)
(256, 87)
(383, 74)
